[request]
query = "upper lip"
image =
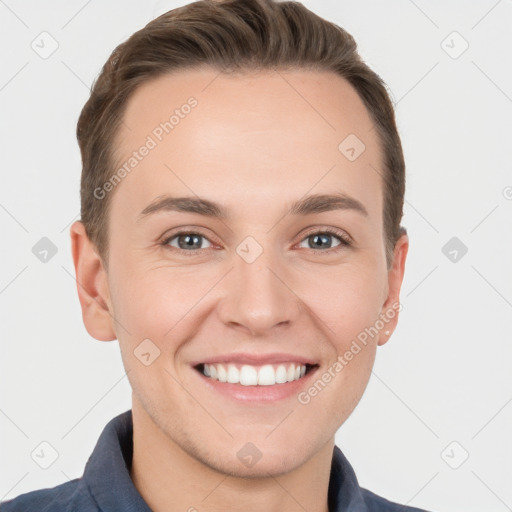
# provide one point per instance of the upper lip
(256, 359)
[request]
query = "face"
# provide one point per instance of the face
(255, 276)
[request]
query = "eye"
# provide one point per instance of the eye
(187, 241)
(190, 242)
(317, 239)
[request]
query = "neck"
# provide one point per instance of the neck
(169, 479)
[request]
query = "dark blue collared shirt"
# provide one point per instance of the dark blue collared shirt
(106, 485)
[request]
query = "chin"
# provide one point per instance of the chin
(268, 465)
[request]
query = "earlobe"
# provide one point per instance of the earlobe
(391, 306)
(92, 285)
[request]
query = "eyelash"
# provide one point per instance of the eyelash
(345, 241)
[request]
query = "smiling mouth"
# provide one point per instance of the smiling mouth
(250, 375)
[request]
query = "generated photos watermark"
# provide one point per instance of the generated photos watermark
(156, 136)
(304, 397)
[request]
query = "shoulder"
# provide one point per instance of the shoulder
(345, 493)
(70, 496)
(377, 503)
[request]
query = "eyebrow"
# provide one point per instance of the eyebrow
(316, 203)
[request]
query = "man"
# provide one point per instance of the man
(242, 190)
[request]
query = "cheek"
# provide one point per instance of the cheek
(346, 300)
(164, 305)
(153, 302)
(152, 309)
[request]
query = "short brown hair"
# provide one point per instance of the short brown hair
(229, 35)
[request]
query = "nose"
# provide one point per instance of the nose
(257, 297)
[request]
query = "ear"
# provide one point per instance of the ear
(92, 285)
(391, 306)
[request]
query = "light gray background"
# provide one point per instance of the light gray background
(444, 376)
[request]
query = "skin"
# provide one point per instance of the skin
(255, 146)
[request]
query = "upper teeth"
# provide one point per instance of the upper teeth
(248, 375)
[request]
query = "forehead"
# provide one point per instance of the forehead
(254, 135)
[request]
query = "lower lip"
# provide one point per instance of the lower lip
(255, 394)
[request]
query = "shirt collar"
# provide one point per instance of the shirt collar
(107, 474)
